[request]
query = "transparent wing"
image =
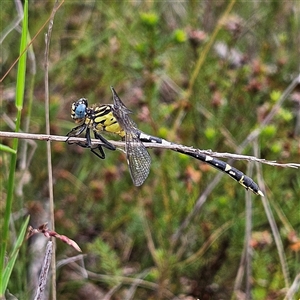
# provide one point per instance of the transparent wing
(138, 159)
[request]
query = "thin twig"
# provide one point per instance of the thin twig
(44, 272)
(293, 288)
(58, 138)
(72, 259)
(124, 280)
(14, 23)
(131, 291)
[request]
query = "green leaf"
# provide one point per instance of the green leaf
(11, 262)
(7, 149)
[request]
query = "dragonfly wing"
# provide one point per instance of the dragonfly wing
(138, 159)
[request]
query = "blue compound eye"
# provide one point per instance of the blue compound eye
(80, 111)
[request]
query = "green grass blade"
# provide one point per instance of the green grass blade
(22, 62)
(12, 259)
(11, 177)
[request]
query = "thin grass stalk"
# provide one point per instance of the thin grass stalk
(25, 49)
(293, 289)
(123, 279)
(200, 63)
(49, 159)
(206, 245)
(240, 274)
(207, 48)
(274, 228)
(248, 248)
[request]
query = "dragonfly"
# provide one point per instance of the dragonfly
(115, 118)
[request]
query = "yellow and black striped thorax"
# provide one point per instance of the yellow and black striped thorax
(97, 117)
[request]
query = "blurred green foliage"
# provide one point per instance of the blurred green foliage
(148, 50)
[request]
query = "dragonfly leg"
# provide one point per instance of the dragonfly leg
(89, 145)
(105, 142)
(101, 155)
(75, 132)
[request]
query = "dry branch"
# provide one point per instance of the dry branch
(58, 138)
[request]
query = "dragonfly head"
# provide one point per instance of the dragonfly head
(78, 110)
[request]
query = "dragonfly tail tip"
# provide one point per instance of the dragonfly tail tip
(260, 193)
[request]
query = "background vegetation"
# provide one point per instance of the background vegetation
(149, 51)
